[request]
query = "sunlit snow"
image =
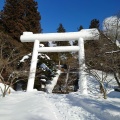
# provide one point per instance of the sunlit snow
(39, 105)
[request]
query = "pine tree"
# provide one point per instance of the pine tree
(94, 24)
(80, 28)
(1, 24)
(57, 56)
(62, 56)
(61, 29)
(76, 41)
(19, 16)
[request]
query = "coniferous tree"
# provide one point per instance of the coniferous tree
(61, 29)
(19, 16)
(1, 24)
(94, 24)
(57, 56)
(62, 56)
(80, 28)
(76, 41)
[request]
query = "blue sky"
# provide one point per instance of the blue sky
(73, 13)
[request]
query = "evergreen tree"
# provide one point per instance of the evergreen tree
(80, 28)
(76, 41)
(1, 25)
(94, 24)
(61, 29)
(19, 16)
(62, 56)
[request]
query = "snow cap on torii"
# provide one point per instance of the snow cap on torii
(86, 34)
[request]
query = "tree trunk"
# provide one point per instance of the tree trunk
(117, 79)
(103, 90)
(66, 80)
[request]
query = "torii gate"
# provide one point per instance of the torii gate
(84, 34)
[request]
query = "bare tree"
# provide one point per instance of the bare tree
(105, 52)
(9, 55)
(101, 78)
(111, 27)
(112, 33)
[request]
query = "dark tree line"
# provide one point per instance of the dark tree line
(18, 16)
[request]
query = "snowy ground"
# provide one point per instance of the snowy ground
(38, 105)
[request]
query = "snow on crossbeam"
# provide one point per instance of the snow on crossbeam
(86, 34)
(59, 49)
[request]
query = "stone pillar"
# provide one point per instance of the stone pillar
(33, 66)
(82, 74)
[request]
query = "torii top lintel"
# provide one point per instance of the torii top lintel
(86, 34)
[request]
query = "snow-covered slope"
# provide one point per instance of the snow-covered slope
(38, 105)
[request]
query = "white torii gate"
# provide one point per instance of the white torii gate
(84, 34)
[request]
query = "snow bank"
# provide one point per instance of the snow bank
(114, 94)
(102, 108)
(118, 43)
(50, 87)
(27, 106)
(38, 105)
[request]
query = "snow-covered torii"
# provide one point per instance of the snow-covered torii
(84, 34)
